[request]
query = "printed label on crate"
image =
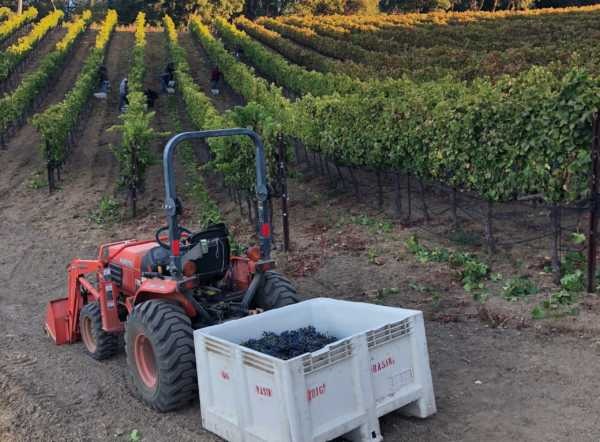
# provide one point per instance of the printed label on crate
(379, 366)
(264, 391)
(314, 392)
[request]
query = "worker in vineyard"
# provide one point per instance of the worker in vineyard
(215, 78)
(239, 52)
(103, 76)
(70, 9)
(123, 92)
(167, 79)
(151, 97)
(103, 83)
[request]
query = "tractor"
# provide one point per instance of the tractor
(153, 293)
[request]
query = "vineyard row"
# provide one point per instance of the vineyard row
(15, 21)
(17, 52)
(395, 58)
(521, 135)
(495, 31)
(57, 123)
(133, 154)
(15, 106)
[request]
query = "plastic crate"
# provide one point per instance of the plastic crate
(379, 364)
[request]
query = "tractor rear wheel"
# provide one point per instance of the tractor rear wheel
(160, 354)
(98, 343)
(276, 291)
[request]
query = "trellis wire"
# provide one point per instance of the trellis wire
(400, 195)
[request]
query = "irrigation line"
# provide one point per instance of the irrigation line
(531, 213)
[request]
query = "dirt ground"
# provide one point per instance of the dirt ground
(534, 382)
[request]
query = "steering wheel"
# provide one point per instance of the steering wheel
(165, 245)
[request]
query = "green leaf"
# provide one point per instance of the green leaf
(538, 313)
(135, 436)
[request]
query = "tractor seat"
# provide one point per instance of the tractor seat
(210, 253)
(156, 258)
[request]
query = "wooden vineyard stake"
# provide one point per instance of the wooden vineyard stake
(555, 214)
(281, 166)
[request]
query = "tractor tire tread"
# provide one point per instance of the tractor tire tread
(276, 291)
(170, 331)
(107, 344)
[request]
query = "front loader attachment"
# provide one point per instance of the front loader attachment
(57, 321)
(62, 315)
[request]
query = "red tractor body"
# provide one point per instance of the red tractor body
(158, 291)
(118, 269)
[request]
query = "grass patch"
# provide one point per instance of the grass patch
(518, 288)
(373, 225)
(557, 305)
(108, 211)
(382, 295)
(472, 271)
(37, 180)
(135, 436)
(573, 282)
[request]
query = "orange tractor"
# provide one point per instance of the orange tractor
(157, 291)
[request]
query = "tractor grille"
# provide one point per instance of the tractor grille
(116, 273)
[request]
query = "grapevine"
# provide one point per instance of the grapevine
(15, 106)
(266, 112)
(383, 65)
(133, 154)
(57, 123)
(300, 55)
(517, 135)
(233, 157)
(15, 21)
(16, 53)
(293, 77)
(466, 45)
(5, 12)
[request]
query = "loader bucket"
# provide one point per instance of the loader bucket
(57, 321)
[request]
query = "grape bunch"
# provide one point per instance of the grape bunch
(290, 343)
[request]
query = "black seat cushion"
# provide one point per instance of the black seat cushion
(214, 263)
(157, 256)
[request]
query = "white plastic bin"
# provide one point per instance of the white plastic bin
(379, 364)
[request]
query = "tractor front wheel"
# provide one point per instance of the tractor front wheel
(276, 291)
(98, 343)
(160, 354)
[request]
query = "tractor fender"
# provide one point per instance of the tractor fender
(161, 289)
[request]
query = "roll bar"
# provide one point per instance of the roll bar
(262, 192)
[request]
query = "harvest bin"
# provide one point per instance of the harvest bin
(378, 364)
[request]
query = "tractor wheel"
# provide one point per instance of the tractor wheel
(98, 343)
(276, 291)
(160, 355)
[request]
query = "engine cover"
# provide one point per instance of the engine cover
(126, 266)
